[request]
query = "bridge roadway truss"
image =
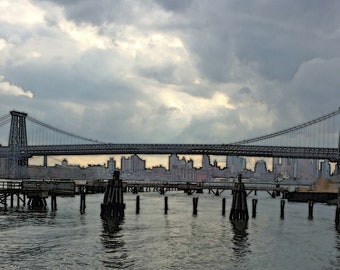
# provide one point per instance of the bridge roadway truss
(181, 149)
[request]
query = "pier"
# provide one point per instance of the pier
(216, 188)
(35, 191)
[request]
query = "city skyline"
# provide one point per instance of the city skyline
(133, 167)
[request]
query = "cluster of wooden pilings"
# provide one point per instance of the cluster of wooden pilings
(239, 208)
(113, 203)
(19, 198)
(239, 215)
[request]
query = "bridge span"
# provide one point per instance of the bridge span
(182, 149)
(316, 139)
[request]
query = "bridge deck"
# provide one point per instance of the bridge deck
(168, 149)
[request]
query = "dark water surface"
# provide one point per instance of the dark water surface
(65, 239)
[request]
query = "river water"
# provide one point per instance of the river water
(66, 239)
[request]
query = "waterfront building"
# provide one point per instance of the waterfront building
(303, 170)
(180, 169)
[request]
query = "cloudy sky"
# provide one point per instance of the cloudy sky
(174, 71)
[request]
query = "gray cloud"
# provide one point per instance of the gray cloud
(173, 71)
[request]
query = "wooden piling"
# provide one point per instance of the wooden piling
(194, 204)
(82, 200)
(54, 202)
(5, 201)
(165, 205)
(223, 206)
(18, 199)
(282, 209)
(137, 205)
(310, 209)
(12, 199)
(254, 203)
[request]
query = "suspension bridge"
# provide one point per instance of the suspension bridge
(28, 137)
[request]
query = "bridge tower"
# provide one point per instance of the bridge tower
(17, 142)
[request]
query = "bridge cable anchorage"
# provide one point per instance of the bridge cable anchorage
(285, 131)
(62, 131)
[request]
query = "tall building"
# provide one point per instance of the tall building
(132, 164)
(236, 164)
(180, 169)
(284, 168)
(307, 169)
(298, 169)
(111, 165)
(206, 162)
(260, 170)
(325, 169)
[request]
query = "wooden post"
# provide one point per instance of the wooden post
(44, 203)
(165, 205)
(29, 203)
(5, 201)
(82, 200)
(137, 205)
(254, 203)
(223, 206)
(54, 202)
(18, 199)
(12, 199)
(310, 209)
(282, 207)
(194, 204)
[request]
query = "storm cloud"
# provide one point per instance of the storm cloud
(170, 71)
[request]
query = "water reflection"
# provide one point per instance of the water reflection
(241, 246)
(111, 225)
(114, 246)
(21, 217)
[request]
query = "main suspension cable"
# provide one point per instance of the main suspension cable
(61, 131)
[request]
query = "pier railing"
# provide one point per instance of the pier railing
(6, 185)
